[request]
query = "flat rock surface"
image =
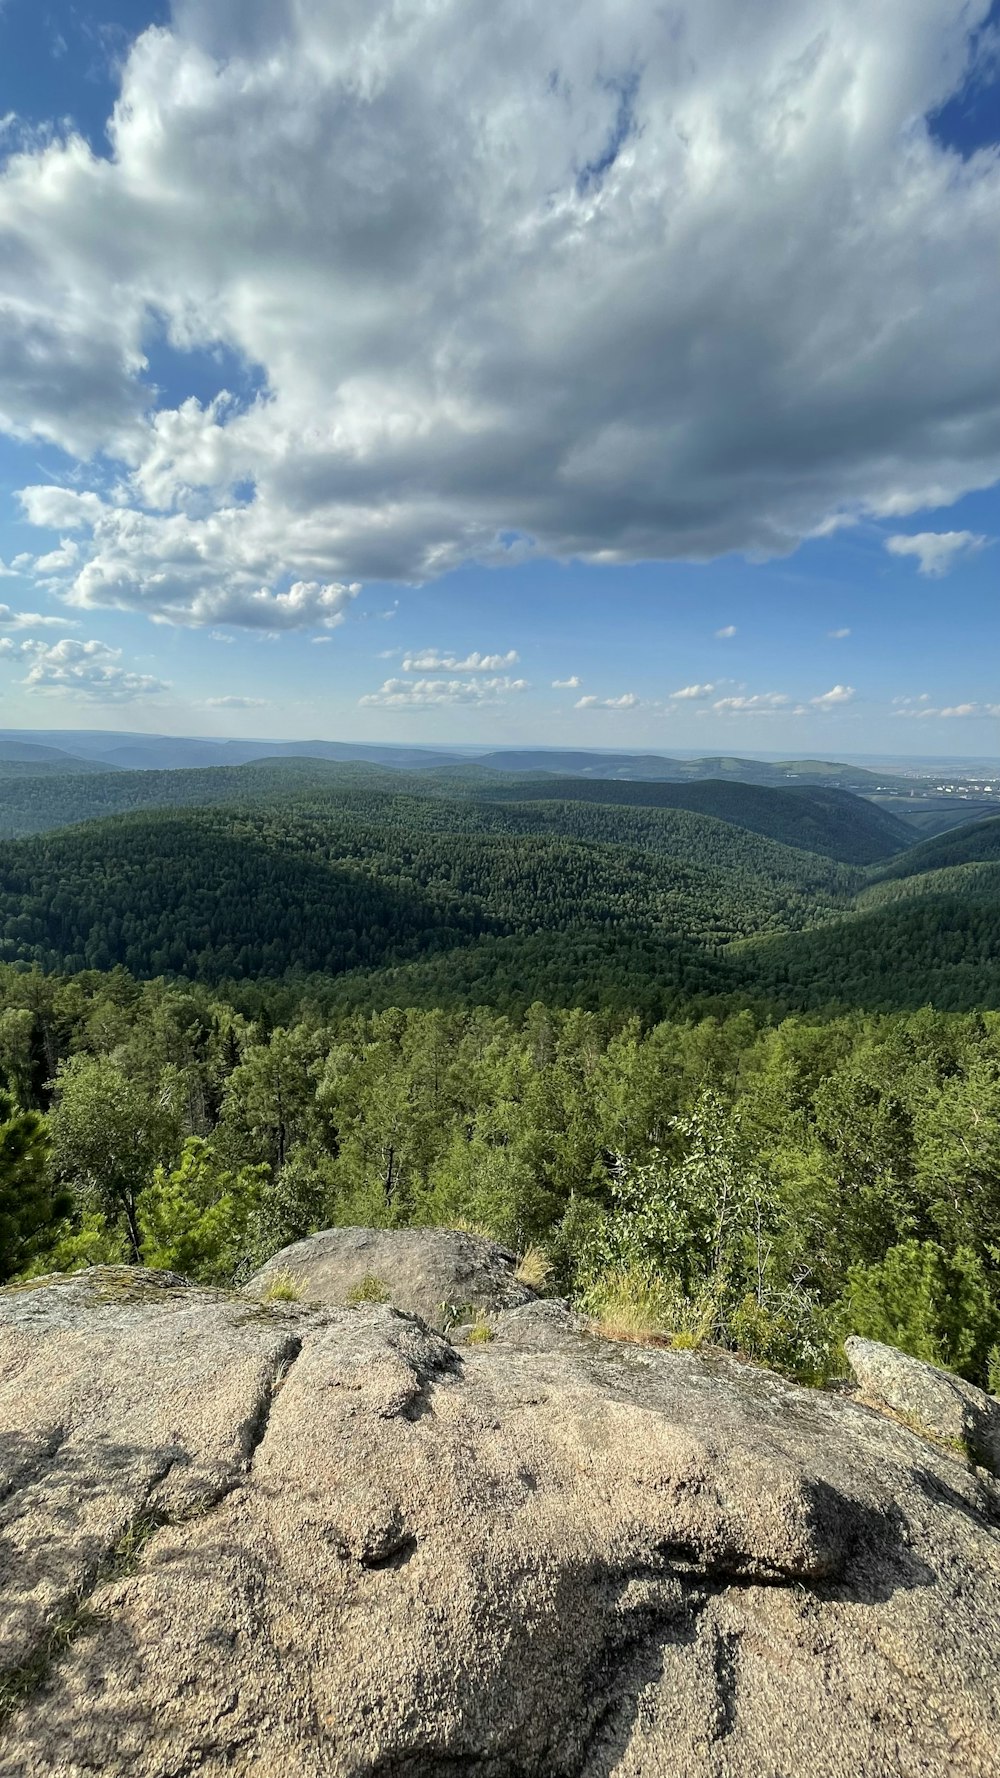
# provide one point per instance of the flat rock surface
(944, 1405)
(312, 1543)
(438, 1274)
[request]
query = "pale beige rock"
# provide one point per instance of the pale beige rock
(295, 1543)
(933, 1400)
(437, 1274)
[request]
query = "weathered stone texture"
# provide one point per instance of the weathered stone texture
(313, 1543)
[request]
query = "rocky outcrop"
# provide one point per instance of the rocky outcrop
(934, 1401)
(439, 1274)
(313, 1543)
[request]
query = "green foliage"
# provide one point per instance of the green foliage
(735, 1166)
(194, 1218)
(937, 1306)
(86, 1240)
(108, 1137)
(27, 1203)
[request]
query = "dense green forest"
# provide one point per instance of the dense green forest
(769, 1185)
(431, 899)
(732, 1088)
(373, 879)
(832, 822)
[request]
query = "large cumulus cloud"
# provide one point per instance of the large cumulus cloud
(622, 283)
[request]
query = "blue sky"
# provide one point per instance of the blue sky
(474, 387)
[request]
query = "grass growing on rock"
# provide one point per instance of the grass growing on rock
(284, 1287)
(370, 1290)
(534, 1268)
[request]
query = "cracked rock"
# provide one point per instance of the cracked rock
(318, 1543)
(434, 1273)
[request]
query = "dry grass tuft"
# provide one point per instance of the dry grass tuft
(370, 1290)
(534, 1268)
(284, 1287)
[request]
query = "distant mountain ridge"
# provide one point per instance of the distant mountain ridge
(124, 752)
(831, 822)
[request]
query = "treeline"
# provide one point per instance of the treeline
(770, 1186)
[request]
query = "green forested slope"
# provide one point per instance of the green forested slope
(268, 890)
(977, 843)
(40, 805)
(426, 898)
(832, 822)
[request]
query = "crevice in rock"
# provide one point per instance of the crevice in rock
(725, 1660)
(254, 1429)
(33, 1464)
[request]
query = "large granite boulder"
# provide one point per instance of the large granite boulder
(320, 1543)
(932, 1400)
(439, 1274)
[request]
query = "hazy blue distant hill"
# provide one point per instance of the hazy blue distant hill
(34, 756)
(180, 752)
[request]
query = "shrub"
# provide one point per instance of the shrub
(935, 1305)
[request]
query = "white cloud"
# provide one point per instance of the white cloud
(571, 684)
(922, 710)
(627, 701)
(936, 551)
(415, 694)
(838, 635)
(220, 636)
(829, 700)
(57, 561)
(693, 692)
(725, 633)
(85, 670)
(31, 620)
(429, 660)
(393, 214)
(220, 569)
(236, 703)
(753, 704)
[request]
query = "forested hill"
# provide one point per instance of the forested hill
(268, 891)
(817, 819)
(832, 822)
(445, 894)
(979, 843)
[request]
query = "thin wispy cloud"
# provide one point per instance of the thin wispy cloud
(418, 694)
(431, 660)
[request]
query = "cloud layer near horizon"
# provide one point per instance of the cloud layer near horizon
(675, 282)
